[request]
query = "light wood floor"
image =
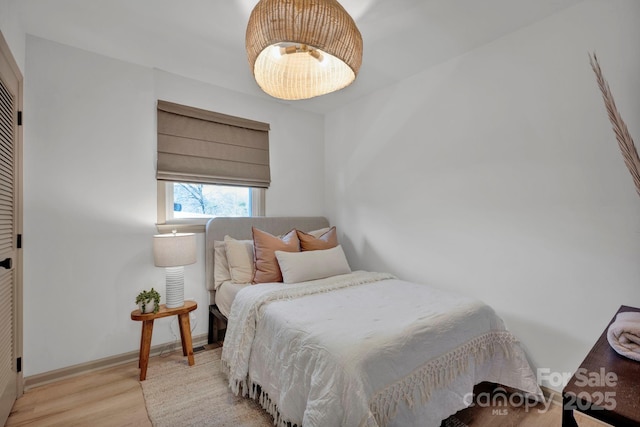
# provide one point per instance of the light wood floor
(113, 397)
(108, 397)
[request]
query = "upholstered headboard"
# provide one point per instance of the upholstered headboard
(240, 228)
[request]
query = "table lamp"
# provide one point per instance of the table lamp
(173, 251)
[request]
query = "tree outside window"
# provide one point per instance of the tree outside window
(208, 200)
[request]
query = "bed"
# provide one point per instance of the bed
(357, 348)
(240, 228)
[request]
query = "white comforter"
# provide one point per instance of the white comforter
(366, 349)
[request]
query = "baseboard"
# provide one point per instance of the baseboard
(555, 396)
(120, 359)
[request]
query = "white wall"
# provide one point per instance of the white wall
(90, 197)
(12, 32)
(497, 174)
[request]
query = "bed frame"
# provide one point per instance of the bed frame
(240, 228)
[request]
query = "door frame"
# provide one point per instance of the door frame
(13, 72)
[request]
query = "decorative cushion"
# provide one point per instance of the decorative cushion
(240, 259)
(320, 232)
(264, 246)
(312, 265)
(327, 240)
(221, 265)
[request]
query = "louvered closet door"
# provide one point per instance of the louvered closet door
(9, 92)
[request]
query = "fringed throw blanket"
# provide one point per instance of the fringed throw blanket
(366, 349)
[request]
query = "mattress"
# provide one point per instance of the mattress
(225, 295)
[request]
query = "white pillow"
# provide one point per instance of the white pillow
(221, 266)
(312, 265)
(240, 259)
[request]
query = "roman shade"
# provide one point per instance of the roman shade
(204, 147)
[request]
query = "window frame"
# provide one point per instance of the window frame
(166, 224)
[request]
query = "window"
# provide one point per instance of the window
(187, 206)
(207, 200)
(208, 164)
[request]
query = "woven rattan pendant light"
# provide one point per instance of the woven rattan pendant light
(299, 49)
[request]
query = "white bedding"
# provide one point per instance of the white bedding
(225, 295)
(366, 349)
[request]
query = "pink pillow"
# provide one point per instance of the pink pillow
(309, 242)
(265, 245)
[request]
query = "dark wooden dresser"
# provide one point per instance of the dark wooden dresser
(606, 386)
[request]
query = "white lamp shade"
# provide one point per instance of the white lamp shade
(175, 249)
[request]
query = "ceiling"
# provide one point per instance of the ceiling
(204, 39)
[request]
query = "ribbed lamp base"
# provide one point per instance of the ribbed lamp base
(175, 286)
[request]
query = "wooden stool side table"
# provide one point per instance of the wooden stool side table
(147, 330)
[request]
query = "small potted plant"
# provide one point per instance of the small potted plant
(148, 301)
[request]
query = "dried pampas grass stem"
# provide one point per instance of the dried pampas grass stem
(625, 142)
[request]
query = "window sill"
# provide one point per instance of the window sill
(183, 226)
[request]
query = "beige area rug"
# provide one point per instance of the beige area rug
(179, 395)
